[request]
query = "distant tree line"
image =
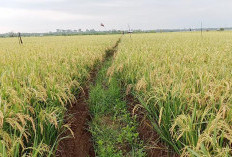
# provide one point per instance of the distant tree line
(70, 32)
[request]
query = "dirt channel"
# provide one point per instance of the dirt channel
(81, 145)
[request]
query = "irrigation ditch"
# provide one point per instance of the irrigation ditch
(81, 144)
(107, 122)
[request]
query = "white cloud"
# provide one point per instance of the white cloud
(36, 1)
(20, 14)
(46, 15)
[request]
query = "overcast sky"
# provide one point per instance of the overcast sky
(48, 15)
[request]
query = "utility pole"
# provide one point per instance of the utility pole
(201, 28)
(20, 39)
(129, 31)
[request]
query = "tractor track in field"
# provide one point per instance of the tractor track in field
(81, 145)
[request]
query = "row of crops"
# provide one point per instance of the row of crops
(38, 81)
(184, 82)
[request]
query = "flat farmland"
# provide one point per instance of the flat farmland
(154, 94)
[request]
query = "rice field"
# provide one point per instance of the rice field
(38, 81)
(183, 81)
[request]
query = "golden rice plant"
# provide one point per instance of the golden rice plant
(38, 80)
(184, 81)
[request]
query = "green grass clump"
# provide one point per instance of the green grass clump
(113, 129)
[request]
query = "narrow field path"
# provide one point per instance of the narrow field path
(113, 129)
(81, 145)
(117, 127)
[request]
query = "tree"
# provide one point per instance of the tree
(221, 29)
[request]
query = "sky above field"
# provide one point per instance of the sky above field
(49, 15)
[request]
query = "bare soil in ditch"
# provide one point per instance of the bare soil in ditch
(154, 148)
(81, 145)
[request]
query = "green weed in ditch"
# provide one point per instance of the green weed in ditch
(112, 127)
